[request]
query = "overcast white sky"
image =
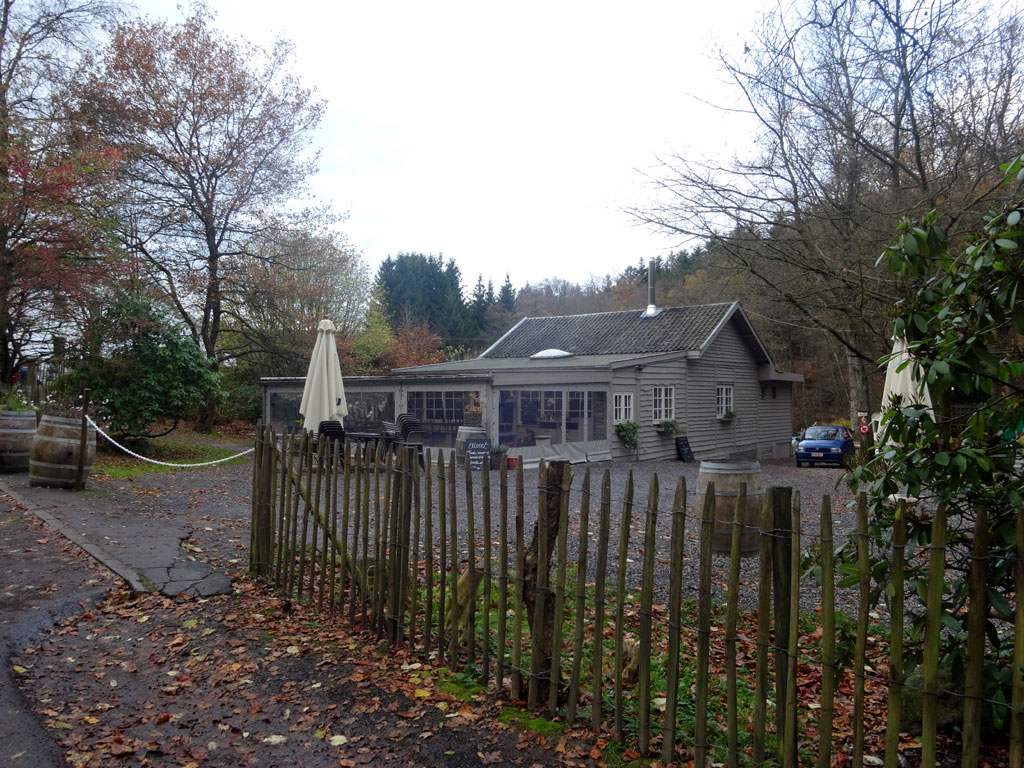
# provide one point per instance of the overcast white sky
(506, 136)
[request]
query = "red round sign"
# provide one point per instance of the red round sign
(864, 429)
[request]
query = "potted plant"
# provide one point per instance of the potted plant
(727, 416)
(670, 428)
(499, 454)
(629, 433)
(472, 412)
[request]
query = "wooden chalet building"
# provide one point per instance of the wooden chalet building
(557, 386)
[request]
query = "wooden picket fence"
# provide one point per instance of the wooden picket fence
(374, 536)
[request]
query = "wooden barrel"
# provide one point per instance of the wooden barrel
(55, 449)
(16, 431)
(727, 477)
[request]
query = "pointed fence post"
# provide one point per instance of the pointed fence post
(559, 608)
(620, 607)
(646, 598)
(581, 596)
(781, 499)
(974, 674)
(731, 617)
(596, 670)
(828, 638)
(1017, 696)
(895, 692)
(499, 670)
(764, 610)
(707, 531)
(932, 635)
(675, 591)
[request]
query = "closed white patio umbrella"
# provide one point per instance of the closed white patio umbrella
(323, 397)
(902, 384)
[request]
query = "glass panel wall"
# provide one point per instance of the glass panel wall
(284, 410)
(442, 412)
(538, 417)
(366, 410)
(597, 416)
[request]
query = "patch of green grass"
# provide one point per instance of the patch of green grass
(521, 718)
(173, 451)
(462, 685)
(613, 756)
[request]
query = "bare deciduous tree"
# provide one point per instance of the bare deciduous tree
(215, 133)
(274, 303)
(866, 111)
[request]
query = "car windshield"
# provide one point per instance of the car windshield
(822, 433)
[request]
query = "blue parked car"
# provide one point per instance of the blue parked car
(828, 444)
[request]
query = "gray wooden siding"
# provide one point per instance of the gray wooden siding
(669, 373)
(761, 429)
(623, 380)
(776, 432)
(727, 361)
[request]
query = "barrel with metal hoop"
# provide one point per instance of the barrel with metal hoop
(53, 462)
(728, 477)
(16, 430)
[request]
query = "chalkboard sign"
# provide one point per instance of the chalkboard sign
(683, 448)
(478, 449)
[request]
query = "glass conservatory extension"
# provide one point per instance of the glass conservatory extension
(539, 418)
(564, 422)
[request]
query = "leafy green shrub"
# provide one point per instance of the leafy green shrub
(629, 433)
(960, 314)
(143, 368)
(12, 399)
(241, 401)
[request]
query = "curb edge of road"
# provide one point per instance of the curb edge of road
(104, 558)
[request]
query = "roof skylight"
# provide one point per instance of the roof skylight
(550, 354)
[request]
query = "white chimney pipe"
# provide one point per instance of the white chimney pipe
(652, 309)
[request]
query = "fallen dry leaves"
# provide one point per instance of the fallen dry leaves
(237, 681)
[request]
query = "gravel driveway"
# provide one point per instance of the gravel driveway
(811, 483)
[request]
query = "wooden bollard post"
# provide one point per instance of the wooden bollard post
(538, 596)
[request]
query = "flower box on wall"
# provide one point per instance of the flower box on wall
(670, 428)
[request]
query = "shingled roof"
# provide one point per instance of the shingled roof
(672, 329)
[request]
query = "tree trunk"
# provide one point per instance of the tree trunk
(855, 384)
(537, 580)
(208, 410)
(207, 414)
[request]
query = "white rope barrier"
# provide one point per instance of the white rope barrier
(163, 463)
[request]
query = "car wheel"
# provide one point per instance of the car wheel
(799, 463)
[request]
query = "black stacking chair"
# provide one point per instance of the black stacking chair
(331, 431)
(412, 433)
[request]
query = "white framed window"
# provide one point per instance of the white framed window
(622, 407)
(723, 401)
(664, 404)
